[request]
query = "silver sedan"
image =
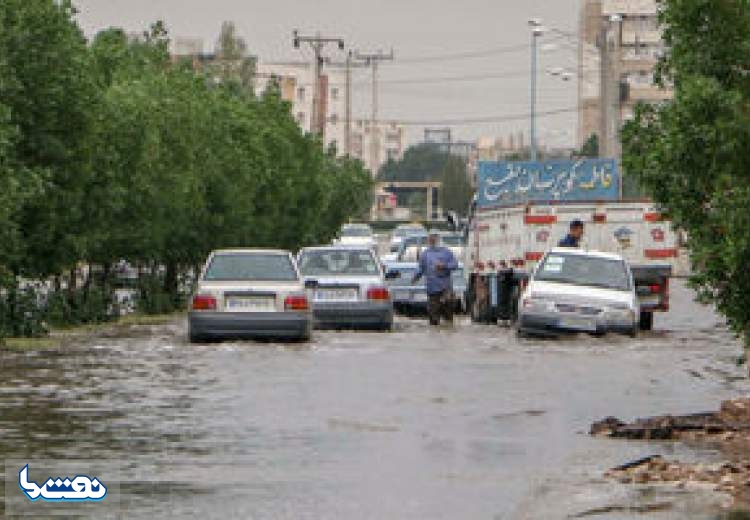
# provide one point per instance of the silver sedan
(573, 290)
(347, 287)
(249, 293)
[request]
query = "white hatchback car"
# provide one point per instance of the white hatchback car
(249, 293)
(573, 290)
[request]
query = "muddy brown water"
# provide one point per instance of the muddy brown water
(469, 422)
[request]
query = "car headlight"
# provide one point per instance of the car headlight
(534, 303)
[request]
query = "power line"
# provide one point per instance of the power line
(471, 120)
(471, 54)
(463, 55)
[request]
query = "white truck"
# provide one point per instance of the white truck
(523, 209)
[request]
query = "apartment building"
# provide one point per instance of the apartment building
(374, 149)
(619, 46)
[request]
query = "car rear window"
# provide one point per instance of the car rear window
(356, 231)
(338, 262)
(584, 270)
(251, 267)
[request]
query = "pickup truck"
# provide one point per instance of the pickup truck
(522, 209)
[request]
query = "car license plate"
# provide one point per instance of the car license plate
(336, 295)
(419, 297)
(584, 324)
(654, 299)
(251, 304)
(400, 295)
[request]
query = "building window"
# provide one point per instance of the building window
(334, 119)
(334, 93)
(301, 93)
(301, 118)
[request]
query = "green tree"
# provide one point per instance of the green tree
(426, 162)
(51, 99)
(232, 63)
(691, 153)
(590, 147)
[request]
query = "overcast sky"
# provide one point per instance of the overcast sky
(414, 29)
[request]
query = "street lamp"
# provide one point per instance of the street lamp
(536, 31)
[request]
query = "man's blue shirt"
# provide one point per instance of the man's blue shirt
(569, 241)
(436, 281)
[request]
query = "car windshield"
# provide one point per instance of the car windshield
(406, 231)
(452, 240)
(356, 231)
(250, 266)
(584, 270)
(338, 262)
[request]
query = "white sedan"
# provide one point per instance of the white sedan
(249, 293)
(359, 235)
(573, 290)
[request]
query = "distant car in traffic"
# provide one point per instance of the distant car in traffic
(417, 237)
(455, 242)
(346, 286)
(356, 235)
(404, 230)
(574, 290)
(411, 297)
(245, 293)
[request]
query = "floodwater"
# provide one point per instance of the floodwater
(460, 423)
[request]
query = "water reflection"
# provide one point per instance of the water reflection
(468, 423)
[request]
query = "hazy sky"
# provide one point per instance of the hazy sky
(496, 30)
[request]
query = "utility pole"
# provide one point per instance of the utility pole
(604, 104)
(373, 59)
(348, 64)
(536, 31)
(317, 44)
(611, 102)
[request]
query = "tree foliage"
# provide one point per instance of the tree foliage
(110, 152)
(691, 154)
(426, 162)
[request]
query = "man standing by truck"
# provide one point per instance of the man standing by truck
(574, 236)
(436, 264)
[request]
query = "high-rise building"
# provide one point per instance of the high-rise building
(391, 143)
(296, 81)
(619, 45)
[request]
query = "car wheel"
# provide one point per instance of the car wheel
(646, 321)
(195, 338)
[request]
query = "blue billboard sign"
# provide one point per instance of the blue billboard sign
(518, 182)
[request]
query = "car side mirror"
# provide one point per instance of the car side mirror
(311, 284)
(392, 275)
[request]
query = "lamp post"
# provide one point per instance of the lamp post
(536, 31)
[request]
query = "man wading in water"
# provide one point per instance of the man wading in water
(436, 264)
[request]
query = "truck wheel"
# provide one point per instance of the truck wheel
(514, 304)
(646, 321)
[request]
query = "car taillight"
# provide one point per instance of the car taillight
(378, 293)
(655, 288)
(204, 302)
(296, 303)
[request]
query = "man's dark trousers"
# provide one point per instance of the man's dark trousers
(440, 304)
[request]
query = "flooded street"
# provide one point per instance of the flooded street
(418, 423)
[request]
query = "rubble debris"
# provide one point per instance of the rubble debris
(727, 430)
